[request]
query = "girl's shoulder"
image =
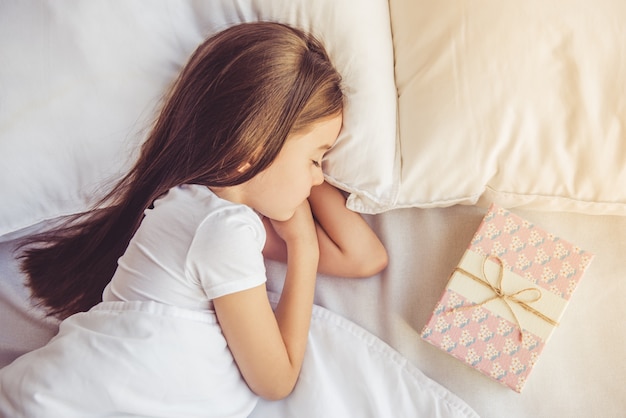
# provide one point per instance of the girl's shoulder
(194, 197)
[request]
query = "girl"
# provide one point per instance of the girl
(230, 171)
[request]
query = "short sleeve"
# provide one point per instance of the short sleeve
(225, 255)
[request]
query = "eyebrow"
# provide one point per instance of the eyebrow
(325, 147)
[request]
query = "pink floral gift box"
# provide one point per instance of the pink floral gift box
(506, 297)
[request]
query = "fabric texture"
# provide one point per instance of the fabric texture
(81, 83)
(518, 103)
(349, 372)
(152, 360)
(521, 104)
(182, 253)
(129, 359)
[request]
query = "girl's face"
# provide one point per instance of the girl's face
(278, 190)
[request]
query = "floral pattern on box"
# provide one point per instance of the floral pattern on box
(484, 341)
(543, 258)
(473, 328)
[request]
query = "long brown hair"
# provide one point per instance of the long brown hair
(243, 92)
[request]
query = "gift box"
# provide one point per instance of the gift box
(506, 297)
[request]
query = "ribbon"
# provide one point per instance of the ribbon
(508, 299)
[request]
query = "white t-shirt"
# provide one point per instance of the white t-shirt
(190, 248)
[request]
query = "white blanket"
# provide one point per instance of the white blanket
(347, 371)
(128, 359)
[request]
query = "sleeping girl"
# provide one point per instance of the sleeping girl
(161, 287)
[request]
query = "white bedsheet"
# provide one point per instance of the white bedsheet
(581, 372)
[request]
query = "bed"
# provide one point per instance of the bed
(451, 105)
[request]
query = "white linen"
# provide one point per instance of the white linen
(129, 359)
(521, 103)
(80, 82)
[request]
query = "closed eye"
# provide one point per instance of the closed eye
(316, 163)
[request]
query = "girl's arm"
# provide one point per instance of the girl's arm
(267, 345)
(348, 246)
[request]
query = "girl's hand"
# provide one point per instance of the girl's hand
(300, 227)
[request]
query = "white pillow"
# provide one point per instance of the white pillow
(79, 83)
(522, 103)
